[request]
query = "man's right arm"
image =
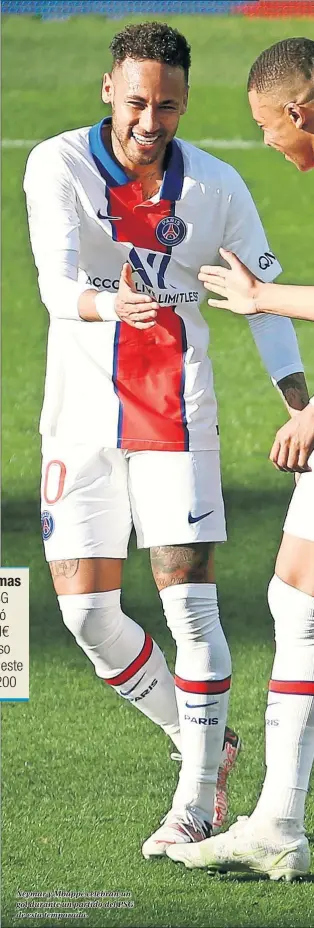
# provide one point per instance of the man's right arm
(54, 228)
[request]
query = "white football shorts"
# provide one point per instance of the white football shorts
(300, 515)
(90, 499)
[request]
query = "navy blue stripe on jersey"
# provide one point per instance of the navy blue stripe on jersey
(174, 174)
(114, 380)
(182, 388)
(114, 234)
(107, 167)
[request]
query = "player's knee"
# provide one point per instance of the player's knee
(191, 610)
(292, 611)
(192, 616)
(92, 624)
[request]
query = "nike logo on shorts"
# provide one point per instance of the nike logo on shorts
(192, 519)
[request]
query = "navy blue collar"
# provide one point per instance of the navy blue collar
(115, 176)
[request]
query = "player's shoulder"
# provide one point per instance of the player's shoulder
(207, 169)
(58, 152)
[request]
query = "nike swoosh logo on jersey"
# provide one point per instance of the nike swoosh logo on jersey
(192, 519)
(200, 705)
(113, 218)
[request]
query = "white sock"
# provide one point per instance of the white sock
(123, 655)
(290, 712)
(202, 677)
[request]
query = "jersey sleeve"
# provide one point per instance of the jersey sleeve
(244, 233)
(54, 229)
(274, 336)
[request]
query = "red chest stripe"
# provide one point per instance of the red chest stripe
(148, 377)
(138, 219)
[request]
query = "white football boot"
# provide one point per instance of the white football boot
(243, 849)
(230, 752)
(176, 828)
(186, 828)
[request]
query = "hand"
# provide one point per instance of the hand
(237, 285)
(133, 307)
(294, 443)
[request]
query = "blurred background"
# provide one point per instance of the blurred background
(85, 778)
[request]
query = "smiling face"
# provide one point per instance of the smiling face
(147, 99)
(288, 127)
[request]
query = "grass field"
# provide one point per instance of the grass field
(86, 778)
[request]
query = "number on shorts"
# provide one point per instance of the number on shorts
(55, 476)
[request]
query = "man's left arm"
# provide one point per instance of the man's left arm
(294, 391)
(294, 441)
(274, 336)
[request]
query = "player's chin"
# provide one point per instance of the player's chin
(302, 164)
(305, 166)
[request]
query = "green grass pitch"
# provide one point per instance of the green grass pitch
(85, 777)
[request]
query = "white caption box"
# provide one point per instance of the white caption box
(14, 634)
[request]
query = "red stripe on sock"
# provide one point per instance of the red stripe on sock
(203, 686)
(292, 687)
(135, 665)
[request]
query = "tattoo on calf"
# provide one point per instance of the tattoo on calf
(66, 569)
(173, 564)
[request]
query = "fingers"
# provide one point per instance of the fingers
(297, 460)
(209, 269)
(126, 274)
(231, 259)
(140, 325)
(216, 288)
(141, 315)
(219, 304)
(273, 456)
(139, 320)
(132, 294)
(303, 459)
(137, 315)
(287, 456)
(139, 298)
(212, 280)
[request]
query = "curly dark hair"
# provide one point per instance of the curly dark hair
(155, 41)
(282, 62)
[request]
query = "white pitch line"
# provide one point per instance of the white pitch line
(228, 143)
(201, 143)
(19, 143)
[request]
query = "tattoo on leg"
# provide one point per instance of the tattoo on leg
(173, 564)
(66, 569)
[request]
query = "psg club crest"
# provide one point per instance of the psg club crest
(171, 231)
(47, 524)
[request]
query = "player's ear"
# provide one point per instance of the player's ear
(107, 88)
(296, 113)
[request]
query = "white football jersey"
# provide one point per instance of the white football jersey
(107, 383)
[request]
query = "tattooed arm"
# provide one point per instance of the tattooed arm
(294, 391)
(278, 347)
(294, 442)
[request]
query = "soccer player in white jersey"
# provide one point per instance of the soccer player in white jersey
(121, 217)
(272, 840)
